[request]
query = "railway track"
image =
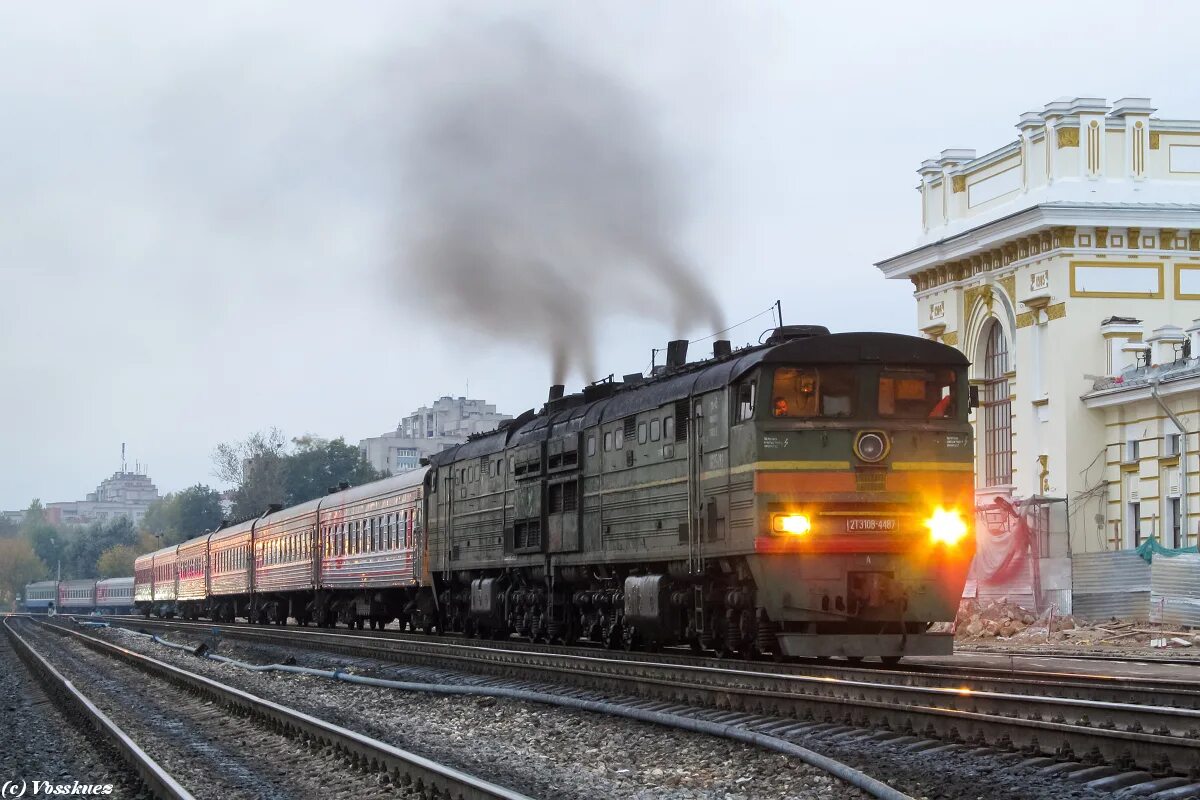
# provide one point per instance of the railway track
(1094, 726)
(196, 723)
(152, 776)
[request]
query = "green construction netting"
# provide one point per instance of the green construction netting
(1151, 548)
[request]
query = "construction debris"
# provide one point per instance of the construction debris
(1002, 620)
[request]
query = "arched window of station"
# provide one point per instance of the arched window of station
(996, 405)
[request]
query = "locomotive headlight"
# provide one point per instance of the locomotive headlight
(871, 446)
(795, 524)
(946, 527)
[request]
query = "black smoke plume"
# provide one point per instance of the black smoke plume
(542, 201)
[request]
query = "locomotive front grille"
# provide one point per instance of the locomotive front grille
(870, 480)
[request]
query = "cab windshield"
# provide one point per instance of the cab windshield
(808, 392)
(918, 393)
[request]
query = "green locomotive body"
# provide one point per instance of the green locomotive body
(811, 496)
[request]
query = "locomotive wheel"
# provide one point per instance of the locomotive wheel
(427, 628)
(630, 638)
(614, 638)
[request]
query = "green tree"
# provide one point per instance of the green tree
(256, 468)
(116, 561)
(318, 464)
(9, 528)
(19, 565)
(85, 547)
(48, 542)
(35, 517)
(184, 515)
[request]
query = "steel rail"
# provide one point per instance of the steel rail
(1159, 738)
(409, 769)
(1148, 691)
(1117, 688)
(156, 779)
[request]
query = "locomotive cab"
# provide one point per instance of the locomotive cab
(863, 493)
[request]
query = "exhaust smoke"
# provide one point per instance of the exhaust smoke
(542, 201)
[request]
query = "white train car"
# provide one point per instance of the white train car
(41, 597)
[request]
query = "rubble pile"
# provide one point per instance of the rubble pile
(1001, 619)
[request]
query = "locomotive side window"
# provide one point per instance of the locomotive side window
(804, 392)
(608, 441)
(918, 394)
(591, 446)
(669, 428)
(747, 392)
(643, 432)
(655, 431)
(619, 438)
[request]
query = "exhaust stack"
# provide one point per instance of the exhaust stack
(556, 392)
(676, 353)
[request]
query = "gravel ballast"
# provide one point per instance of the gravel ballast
(38, 742)
(942, 775)
(211, 752)
(543, 751)
(957, 774)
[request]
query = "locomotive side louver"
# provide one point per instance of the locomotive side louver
(681, 420)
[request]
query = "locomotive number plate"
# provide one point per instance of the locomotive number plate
(871, 524)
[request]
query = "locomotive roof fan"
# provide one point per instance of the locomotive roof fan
(787, 333)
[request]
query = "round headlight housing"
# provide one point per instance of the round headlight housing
(871, 446)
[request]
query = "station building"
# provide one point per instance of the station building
(1066, 266)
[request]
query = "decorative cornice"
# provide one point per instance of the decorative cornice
(1056, 311)
(950, 338)
(958, 183)
(1067, 137)
(1154, 139)
(1024, 319)
(1033, 223)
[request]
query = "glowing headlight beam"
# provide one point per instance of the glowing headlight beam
(946, 526)
(795, 524)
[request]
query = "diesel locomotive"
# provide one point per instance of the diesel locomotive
(810, 496)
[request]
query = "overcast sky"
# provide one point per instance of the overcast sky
(202, 205)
